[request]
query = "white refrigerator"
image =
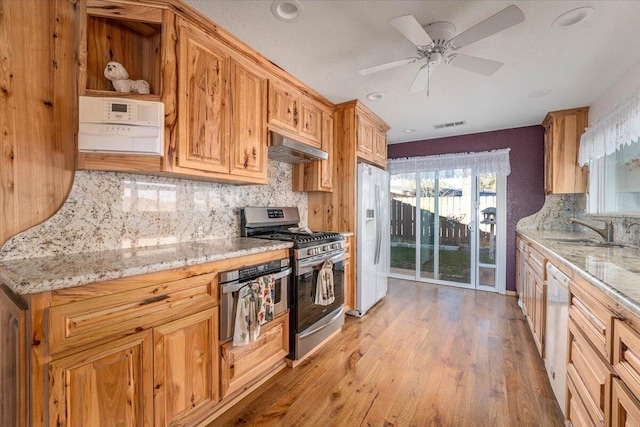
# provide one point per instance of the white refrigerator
(372, 237)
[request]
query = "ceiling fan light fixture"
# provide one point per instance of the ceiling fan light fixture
(286, 10)
(572, 17)
(375, 96)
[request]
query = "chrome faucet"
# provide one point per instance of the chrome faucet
(606, 232)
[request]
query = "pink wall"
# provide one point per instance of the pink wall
(525, 184)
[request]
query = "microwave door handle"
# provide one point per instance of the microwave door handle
(236, 286)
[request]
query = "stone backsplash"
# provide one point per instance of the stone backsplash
(558, 208)
(106, 211)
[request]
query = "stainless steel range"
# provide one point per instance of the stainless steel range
(311, 322)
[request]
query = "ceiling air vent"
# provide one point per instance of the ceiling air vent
(450, 124)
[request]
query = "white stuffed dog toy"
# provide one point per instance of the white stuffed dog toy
(118, 75)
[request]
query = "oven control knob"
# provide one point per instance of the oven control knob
(336, 246)
(325, 248)
(312, 251)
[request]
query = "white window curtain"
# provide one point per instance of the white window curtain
(612, 131)
(496, 161)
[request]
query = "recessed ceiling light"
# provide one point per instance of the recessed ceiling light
(572, 17)
(539, 93)
(286, 10)
(375, 96)
(408, 130)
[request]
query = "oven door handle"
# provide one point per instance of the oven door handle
(324, 325)
(236, 286)
(336, 258)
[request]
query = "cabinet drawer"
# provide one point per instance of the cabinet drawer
(625, 409)
(591, 375)
(538, 262)
(128, 312)
(626, 355)
(593, 318)
(577, 415)
(243, 365)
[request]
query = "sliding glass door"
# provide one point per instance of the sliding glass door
(444, 227)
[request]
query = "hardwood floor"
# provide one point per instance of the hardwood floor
(426, 355)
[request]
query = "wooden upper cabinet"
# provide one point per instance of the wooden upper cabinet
(110, 384)
(370, 136)
(318, 176)
(248, 121)
(128, 33)
(562, 131)
(311, 121)
(365, 134)
(380, 148)
(283, 106)
(295, 114)
(203, 74)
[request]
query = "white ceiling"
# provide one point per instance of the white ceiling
(333, 39)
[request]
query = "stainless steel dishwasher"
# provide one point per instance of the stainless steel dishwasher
(556, 334)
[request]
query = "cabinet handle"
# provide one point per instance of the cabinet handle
(154, 299)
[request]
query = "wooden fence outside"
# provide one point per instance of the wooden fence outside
(403, 227)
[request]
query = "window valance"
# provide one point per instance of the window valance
(611, 131)
(496, 161)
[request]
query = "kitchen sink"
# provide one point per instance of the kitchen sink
(594, 243)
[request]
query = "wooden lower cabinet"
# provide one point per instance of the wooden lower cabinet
(625, 406)
(13, 348)
(243, 366)
(110, 384)
(136, 351)
(591, 376)
(349, 282)
(185, 366)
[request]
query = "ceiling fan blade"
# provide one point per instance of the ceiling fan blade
(475, 64)
(421, 81)
(411, 29)
(388, 65)
(502, 20)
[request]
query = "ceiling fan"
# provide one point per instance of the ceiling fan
(436, 43)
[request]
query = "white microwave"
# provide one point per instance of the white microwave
(120, 126)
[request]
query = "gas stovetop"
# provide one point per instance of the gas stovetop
(282, 224)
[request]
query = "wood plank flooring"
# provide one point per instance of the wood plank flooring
(426, 355)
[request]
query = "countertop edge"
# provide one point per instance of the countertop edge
(26, 286)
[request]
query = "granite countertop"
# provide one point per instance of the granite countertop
(613, 270)
(58, 272)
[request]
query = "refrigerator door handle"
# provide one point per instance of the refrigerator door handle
(378, 225)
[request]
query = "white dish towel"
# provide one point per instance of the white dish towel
(325, 293)
(255, 308)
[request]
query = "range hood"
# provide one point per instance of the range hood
(287, 150)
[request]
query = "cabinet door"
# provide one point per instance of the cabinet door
(108, 385)
(311, 122)
(349, 288)
(13, 360)
(248, 121)
(283, 106)
(625, 406)
(243, 365)
(365, 131)
(326, 166)
(539, 321)
(590, 374)
(380, 152)
(203, 141)
(186, 366)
